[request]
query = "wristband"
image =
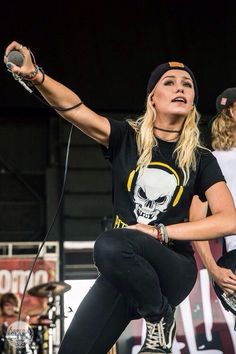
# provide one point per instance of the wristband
(30, 76)
(41, 81)
(162, 235)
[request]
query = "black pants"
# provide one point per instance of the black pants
(139, 278)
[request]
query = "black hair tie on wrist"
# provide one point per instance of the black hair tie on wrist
(67, 109)
(42, 80)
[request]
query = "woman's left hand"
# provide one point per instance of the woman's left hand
(148, 229)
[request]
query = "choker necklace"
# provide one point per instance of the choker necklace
(167, 130)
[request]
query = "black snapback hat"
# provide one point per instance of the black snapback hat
(162, 68)
(225, 99)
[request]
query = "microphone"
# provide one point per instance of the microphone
(15, 57)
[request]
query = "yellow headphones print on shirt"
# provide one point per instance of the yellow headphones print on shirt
(164, 167)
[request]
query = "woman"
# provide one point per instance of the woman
(223, 129)
(146, 269)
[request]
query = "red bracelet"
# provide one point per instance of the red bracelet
(159, 235)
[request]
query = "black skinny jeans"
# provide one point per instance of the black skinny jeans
(139, 278)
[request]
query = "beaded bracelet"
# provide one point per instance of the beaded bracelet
(41, 81)
(163, 231)
(161, 235)
(32, 75)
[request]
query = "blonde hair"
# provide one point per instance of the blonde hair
(186, 146)
(221, 131)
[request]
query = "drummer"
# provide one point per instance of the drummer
(9, 309)
(9, 314)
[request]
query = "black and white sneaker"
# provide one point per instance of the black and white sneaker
(159, 336)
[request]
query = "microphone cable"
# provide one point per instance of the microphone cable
(17, 59)
(52, 222)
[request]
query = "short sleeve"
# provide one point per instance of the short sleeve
(209, 173)
(118, 132)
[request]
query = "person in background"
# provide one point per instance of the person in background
(9, 308)
(146, 262)
(9, 313)
(223, 140)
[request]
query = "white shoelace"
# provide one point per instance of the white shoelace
(156, 335)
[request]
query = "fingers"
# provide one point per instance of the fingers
(226, 280)
(139, 227)
(232, 275)
(24, 67)
(228, 277)
(13, 68)
(228, 291)
(13, 58)
(148, 229)
(13, 46)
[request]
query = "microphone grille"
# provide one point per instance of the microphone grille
(15, 57)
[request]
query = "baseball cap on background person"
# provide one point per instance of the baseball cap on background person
(160, 70)
(224, 100)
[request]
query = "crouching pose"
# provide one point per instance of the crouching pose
(146, 262)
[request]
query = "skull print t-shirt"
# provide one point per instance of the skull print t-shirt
(155, 193)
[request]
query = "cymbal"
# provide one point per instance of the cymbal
(53, 288)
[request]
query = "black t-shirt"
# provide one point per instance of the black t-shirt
(154, 194)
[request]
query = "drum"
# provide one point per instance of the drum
(5, 347)
(39, 324)
(36, 345)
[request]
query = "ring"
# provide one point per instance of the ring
(21, 46)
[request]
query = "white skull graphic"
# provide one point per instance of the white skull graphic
(153, 192)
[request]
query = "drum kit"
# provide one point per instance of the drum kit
(42, 325)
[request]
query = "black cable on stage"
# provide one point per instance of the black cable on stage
(52, 223)
(29, 87)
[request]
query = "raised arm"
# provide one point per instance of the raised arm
(224, 277)
(58, 95)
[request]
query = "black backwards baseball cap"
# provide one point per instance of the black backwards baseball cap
(224, 100)
(172, 65)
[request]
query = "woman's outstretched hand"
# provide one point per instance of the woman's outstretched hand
(28, 65)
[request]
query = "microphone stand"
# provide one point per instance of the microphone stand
(52, 319)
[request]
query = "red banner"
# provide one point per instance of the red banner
(14, 273)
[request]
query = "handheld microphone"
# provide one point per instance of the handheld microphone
(15, 57)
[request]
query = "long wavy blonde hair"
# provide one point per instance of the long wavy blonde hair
(187, 144)
(221, 131)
